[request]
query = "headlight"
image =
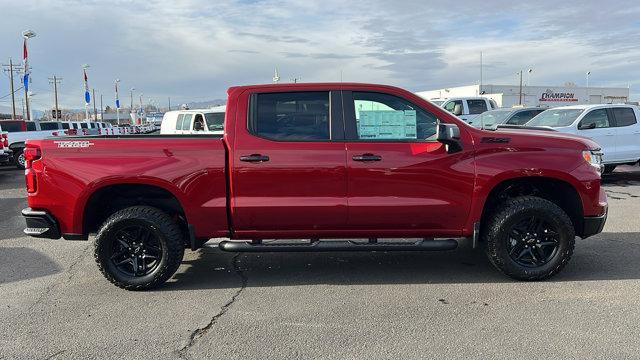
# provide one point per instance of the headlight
(594, 158)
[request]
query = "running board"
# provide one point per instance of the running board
(422, 245)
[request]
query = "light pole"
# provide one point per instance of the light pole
(131, 116)
(27, 34)
(117, 103)
(520, 91)
(529, 77)
(588, 73)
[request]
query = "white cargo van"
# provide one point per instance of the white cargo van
(198, 121)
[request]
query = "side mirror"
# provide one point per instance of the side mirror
(587, 126)
(449, 135)
(457, 110)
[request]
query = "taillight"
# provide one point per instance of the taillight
(5, 140)
(31, 153)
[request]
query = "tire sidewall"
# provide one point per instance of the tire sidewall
(16, 158)
(565, 240)
(104, 243)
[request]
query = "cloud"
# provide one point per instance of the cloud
(194, 49)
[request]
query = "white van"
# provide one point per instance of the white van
(198, 121)
(614, 126)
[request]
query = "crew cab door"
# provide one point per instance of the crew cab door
(289, 168)
(399, 178)
(598, 125)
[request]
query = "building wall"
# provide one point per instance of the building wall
(551, 96)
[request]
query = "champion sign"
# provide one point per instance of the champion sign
(550, 95)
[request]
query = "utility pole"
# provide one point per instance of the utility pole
(95, 111)
(55, 81)
(169, 103)
(480, 89)
(101, 109)
(520, 97)
(11, 69)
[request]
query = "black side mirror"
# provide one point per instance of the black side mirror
(449, 135)
(587, 126)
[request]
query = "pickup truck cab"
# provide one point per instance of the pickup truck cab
(319, 161)
(204, 121)
(466, 108)
(614, 127)
(19, 131)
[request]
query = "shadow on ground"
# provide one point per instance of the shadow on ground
(31, 264)
(608, 256)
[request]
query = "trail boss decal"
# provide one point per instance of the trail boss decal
(550, 95)
(74, 144)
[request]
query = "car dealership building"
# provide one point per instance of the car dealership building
(549, 96)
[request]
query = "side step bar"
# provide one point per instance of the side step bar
(422, 245)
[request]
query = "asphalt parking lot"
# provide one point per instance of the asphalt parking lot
(54, 304)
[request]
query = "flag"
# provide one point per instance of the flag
(25, 65)
(87, 97)
(117, 99)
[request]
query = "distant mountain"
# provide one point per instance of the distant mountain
(205, 104)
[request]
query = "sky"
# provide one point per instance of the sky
(193, 50)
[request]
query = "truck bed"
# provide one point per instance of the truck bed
(191, 168)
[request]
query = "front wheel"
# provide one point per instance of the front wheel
(18, 159)
(529, 238)
(139, 248)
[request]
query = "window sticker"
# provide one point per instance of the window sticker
(387, 124)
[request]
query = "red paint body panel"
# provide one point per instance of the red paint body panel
(313, 189)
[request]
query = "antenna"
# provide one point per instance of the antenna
(276, 77)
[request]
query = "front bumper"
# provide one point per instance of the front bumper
(40, 224)
(592, 225)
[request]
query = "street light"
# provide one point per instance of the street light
(27, 34)
(588, 73)
(529, 77)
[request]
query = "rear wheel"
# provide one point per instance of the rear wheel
(529, 238)
(139, 248)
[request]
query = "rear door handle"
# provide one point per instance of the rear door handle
(367, 157)
(254, 158)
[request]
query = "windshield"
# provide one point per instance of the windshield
(215, 121)
(490, 118)
(555, 117)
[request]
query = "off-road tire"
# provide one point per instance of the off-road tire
(17, 155)
(167, 232)
(496, 237)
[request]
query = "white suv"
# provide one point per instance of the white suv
(614, 126)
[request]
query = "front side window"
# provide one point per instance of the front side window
(595, 119)
(65, 126)
(522, 117)
(477, 106)
(387, 117)
(215, 121)
(491, 118)
(31, 126)
(84, 125)
(291, 116)
(624, 116)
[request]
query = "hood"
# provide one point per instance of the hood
(543, 135)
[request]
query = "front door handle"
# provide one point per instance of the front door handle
(254, 158)
(367, 157)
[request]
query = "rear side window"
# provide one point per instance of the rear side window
(49, 126)
(624, 116)
(65, 125)
(31, 126)
(84, 125)
(477, 106)
(11, 126)
(291, 116)
(179, 121)
(452, 104)
(186, 122)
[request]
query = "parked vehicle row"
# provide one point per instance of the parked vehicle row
(318, 161)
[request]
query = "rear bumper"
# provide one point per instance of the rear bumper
(592, 225)
(40, 224)
(5, 157)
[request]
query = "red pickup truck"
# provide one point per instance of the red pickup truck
(319, 161)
